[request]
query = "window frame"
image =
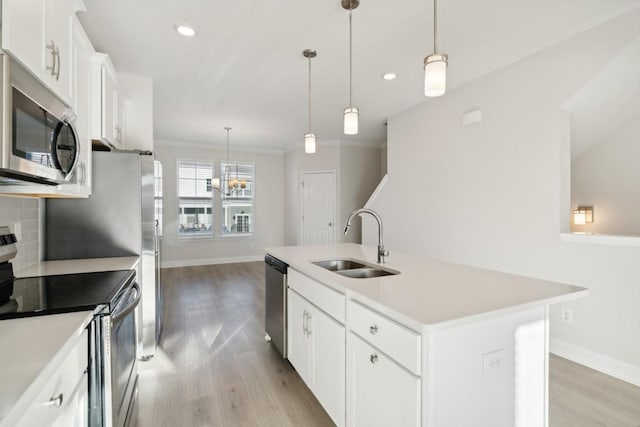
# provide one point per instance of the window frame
(252, 200)
(208, 234)
(157, 166)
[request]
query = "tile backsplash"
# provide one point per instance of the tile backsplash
(26, 212)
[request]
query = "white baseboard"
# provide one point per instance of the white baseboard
(605, 364)
(210, 261)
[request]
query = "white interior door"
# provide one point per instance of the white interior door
(318, 208)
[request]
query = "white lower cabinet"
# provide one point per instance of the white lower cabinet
(379, 391)
(63, 400)
(316, 348)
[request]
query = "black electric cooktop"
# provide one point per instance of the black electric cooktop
(35, 296)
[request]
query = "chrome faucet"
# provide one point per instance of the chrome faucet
(381, 250)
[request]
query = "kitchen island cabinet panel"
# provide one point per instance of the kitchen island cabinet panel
(316, 348)
(380, 392)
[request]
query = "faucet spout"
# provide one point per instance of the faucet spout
(382, 253)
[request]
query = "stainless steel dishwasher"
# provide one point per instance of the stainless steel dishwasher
(275, 303)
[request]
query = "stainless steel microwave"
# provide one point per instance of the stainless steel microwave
(39, 140)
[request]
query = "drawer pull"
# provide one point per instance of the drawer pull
(55, 401)
(373, 329)
(373, 358)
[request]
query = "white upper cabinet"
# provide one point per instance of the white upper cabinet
(82, 54)
(37, 33)
(23, 31)
(107, 103)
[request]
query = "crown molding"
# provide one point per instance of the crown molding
(216, 147)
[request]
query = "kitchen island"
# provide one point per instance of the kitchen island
(438, 344)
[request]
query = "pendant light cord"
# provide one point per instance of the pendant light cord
(435, 26)
(309, 110)
(350, 59)
(227, 129)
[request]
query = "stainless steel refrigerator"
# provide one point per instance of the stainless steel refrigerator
(118, 219)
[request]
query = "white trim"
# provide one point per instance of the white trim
(301, 202)
(377, 191)
(340, 143)
(601, 239)
(616, 368)
(216, 146)
(210, 261)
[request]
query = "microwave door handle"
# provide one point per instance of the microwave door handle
(119, 315)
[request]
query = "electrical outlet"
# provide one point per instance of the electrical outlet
(493, 362)
(567, 315)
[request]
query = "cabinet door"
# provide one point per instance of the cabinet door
(298, 346)
(120, 119)
(23, 31)
(58, 29)
(82, 55)
(82, 50)
(380, 392)
(328, 363)
(76, 411)
(109, 103)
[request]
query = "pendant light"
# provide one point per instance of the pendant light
(233, 184)
(351, 112)
(309, 137)
(435, 65)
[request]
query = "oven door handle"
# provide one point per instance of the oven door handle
(121, 314)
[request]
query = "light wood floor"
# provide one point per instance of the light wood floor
(213, 367)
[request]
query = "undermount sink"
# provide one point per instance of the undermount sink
(366, 273)
(339, 264)
(355, 269)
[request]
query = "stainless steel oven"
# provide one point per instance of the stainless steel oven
(112, 367)
(39, 140)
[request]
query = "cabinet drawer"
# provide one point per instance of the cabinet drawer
(397, 341)
(325, 298)
(44, 411)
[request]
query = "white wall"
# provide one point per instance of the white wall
(26, 212)
(138, 118)
(357, 174)
(268, 205)
(607, 178)
(496, 194)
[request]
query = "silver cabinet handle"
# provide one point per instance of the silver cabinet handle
(309, 317)
(59, 62)
(373, 329)
(373, 358)
(304, 322)
(330, 224)
(55, 401)
(52, 68)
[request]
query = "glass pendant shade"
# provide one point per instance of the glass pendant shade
(309, 143)
(435, 75)
(350, 121)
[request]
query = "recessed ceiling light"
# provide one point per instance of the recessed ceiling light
(186, 31)
(389, 76)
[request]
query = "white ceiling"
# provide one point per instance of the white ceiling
(607, 101)
(245, 67)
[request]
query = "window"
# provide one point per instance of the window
(157, 175)
(237, 201)
(195, 198)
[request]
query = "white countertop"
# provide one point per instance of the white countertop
(73, 266)
(428, 293)
(30, 347)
